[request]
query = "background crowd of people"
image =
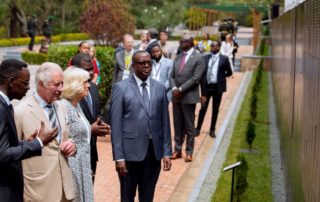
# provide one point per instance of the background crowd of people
(58, 162)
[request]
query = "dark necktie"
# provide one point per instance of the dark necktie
(145, 94)
(88, 99)
(11, 110)
(183, 61)
(53, 120)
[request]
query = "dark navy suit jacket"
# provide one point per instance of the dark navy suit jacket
(12, 151)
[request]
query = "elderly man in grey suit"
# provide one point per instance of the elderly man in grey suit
(122, 68)
(140, 130)
(185, 77)
(161, 68)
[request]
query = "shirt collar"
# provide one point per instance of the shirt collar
(128, 53)
(5, 97)
(39, 99)
(139, 81)
(216, 55)
(189, 51)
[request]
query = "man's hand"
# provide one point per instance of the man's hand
(32, 136)
(68, 148)
(176, 93)
(100, 128)
(121, 168)
(166, 163)
(44, 136)
(203, 100)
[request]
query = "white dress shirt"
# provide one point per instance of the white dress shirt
(212, 73)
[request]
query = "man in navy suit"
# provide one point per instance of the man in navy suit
(140, 130)
(14, 84)
(213, 84)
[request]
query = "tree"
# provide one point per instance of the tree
(106, 21)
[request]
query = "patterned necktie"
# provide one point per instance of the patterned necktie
(145, 94)
(213, 61)
(183, 61)
(127, 60)
(53, 120)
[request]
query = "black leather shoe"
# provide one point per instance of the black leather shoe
(212, 134)
(197, 133)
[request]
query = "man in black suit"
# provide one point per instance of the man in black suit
(91, 108)
(213, 84)
(14, 84)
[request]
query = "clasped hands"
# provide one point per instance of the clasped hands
(100, 128)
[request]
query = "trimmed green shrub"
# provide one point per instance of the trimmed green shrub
(105, 55)
(61, 54)
(74, 37)
(34, 58)
(251, 133)
(241, 177)
(24, 41)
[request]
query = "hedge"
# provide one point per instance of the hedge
(61, 54)
(34, 58)
(24, 41)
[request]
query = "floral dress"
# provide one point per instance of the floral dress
(80, 132)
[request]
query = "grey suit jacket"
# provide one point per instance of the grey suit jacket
(119, 66)
(130, 120)
(188, 79)
(164, 74)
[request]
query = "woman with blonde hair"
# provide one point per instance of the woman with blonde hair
(76, 87)
(227, 47)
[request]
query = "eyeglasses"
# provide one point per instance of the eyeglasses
(143, 63)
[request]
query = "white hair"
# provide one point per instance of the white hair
(45, 72)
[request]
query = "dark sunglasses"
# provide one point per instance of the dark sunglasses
(143, 63)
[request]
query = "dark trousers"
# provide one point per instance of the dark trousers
(216, 100)
(32, 36)
(142, 174)
(183, 118)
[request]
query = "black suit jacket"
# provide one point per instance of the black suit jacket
(94, 92)
(224, 71)
(11, 153)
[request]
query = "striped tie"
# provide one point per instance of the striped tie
(53, 120)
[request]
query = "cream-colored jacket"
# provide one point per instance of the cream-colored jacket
(46, 177)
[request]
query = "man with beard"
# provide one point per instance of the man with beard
(161, 68)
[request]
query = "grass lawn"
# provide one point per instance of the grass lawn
(259, 168)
